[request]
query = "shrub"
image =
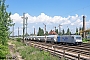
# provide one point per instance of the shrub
(3, 51)
(85, 40)
(18, 39)
(31, 53)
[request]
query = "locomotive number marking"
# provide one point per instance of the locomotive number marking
(64, 38)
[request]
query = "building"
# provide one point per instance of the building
(52, 32)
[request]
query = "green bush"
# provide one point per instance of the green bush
(3, 51)
(31, 53)
(18, 44)
(18, 39)
(85, 40)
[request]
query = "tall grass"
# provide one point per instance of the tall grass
(85, 40)
(31, 53)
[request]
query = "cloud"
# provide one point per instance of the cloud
(43, 18)
(16, 18)
(74, 21)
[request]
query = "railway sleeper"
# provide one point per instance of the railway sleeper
(77, 49)
(68, 54)
(82, 53)
(59, 54)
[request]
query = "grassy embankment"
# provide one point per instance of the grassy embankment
(3, 51)
(31, 53)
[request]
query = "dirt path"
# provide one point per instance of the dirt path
(15, 55)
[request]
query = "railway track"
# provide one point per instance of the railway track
(77, 49)
(81, 52)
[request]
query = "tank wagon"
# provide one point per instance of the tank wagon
(69, 39)
(49, 38)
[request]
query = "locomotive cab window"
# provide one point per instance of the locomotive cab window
(78, 37)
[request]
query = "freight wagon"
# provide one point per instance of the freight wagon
(66, 39)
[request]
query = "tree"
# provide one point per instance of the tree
(76, 31)
(56, 31)
(5, 23)
(40, 32)
(68, 32)
(46, 32)
(80, 28)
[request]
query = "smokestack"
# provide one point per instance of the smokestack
(34, 31)
(83, 26)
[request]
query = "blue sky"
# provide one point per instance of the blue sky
(66, 12)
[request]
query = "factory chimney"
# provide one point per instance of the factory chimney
(83, 26)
